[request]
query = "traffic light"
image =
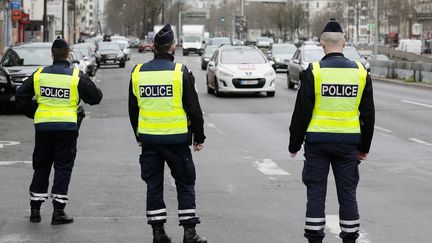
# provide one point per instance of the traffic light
(222, 19)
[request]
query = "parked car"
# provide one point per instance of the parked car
(134, 43)
(208, 53)
(17, 64)
(282, 54)
(240, 69)
(351, 53)
(145, 46)
(109, 53)
(124, 46)
(89, 57)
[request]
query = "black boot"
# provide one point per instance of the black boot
(159, 235)
(190, 236)
(60, 217)
(35, 216)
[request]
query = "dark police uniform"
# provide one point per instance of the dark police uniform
(58, 89)
(164, 112)
(334, 114)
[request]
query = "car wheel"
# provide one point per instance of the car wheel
(271, 93)
(289, 82)
(203, 67)
(122, 64)
(216, 90)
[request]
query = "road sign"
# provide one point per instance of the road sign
(15, 4)
(371, 26)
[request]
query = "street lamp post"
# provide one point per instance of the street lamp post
(45, 22)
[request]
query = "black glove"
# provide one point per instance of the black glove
(81, 115)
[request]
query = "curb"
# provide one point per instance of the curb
(400, 82)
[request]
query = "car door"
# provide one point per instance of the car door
(297, 66)
(292, 65)
(211, 69)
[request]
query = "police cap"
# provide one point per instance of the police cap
(332, 26)
(164, 36)
(60, 44)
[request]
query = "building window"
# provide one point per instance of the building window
(363, 22)
(317, 5)
(91, 6)
(91, 14)
(328, 5)
(90, 22)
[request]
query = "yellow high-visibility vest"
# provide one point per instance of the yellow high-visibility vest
(57, 96)
(338, 92)
(159, 96)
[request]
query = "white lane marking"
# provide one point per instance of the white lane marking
(416, 103)
(98, 80)
(14, 162)
(382, 129)
(8, 143)
(248, 157)
(268, 167)
(332, 224)
(214, 126)
(420, 141)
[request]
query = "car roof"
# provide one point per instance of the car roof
(81, 45)
(230, 47)
(283, 44)
(311, 47)
(34, 45)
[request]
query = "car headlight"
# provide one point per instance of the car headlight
(3, 79)
(225, 74)
(270, 72)
(206, 59)
(277, 59)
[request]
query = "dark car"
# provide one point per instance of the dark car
(17, 64)
(109, 53)
(282, 55)
(89, 57)
(208, 53)
(145, 46)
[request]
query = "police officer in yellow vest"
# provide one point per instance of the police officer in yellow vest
(58, 90)
(334, 114)
(162, 102)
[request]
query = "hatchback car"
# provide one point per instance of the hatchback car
(240, 69)
(282, 54)
(89, 57)
(109, 53)
(208, 53)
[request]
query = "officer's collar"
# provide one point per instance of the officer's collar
(61, 62)
(333, 54)
(164, 55)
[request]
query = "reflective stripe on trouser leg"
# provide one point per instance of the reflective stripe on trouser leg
(156, 216)
(188, 216)
(59, 200)
(36, 199)
(349, 229)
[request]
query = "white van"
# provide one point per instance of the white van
(413, 46)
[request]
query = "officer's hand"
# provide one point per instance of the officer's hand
(293, 155)
(198, 146)
(362, 155)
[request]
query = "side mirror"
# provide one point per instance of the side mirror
(203, 42)
(296, 61)
(272, 63)
(211, 64)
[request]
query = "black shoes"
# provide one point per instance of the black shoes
(35, 216)
(60, 217)
(159, 235)
(190, 236)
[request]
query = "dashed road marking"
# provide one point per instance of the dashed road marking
(268, 167)
(420, 141)
(382, 129)
(416, 103)
(332, 224)
(15, 162)
(214, 126)
(8, 143)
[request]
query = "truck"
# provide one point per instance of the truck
(193, 39)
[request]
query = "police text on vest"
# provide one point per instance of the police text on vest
(339, 90)
(155, 91)
(58, 93)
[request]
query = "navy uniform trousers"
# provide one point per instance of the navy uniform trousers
(344, 163)
(56, 148)
(179, 160)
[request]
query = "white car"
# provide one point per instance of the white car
(124, 45)
(240, 69)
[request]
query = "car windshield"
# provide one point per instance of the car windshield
(209, 51)
(283, 49)
(109, 46)
(84, 51)
(313, 55)
(263, 39)
(242, 56)
(219, 41)
(34, 56)
(192, 39)
(78, 55)
(122, 45)
(351, 54)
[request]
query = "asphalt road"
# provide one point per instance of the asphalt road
(248, 189)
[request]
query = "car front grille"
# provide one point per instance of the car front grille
(237, 83)
(18, 79)
(109, 56)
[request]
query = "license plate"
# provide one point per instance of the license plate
(248, 82)
(112, 57)
(110, 61)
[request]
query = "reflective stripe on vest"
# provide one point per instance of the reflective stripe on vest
(159, 96)
(57, 96)
(338, 93)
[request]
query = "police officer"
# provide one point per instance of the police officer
(162, 102)
(335, 115)
(58, 89)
